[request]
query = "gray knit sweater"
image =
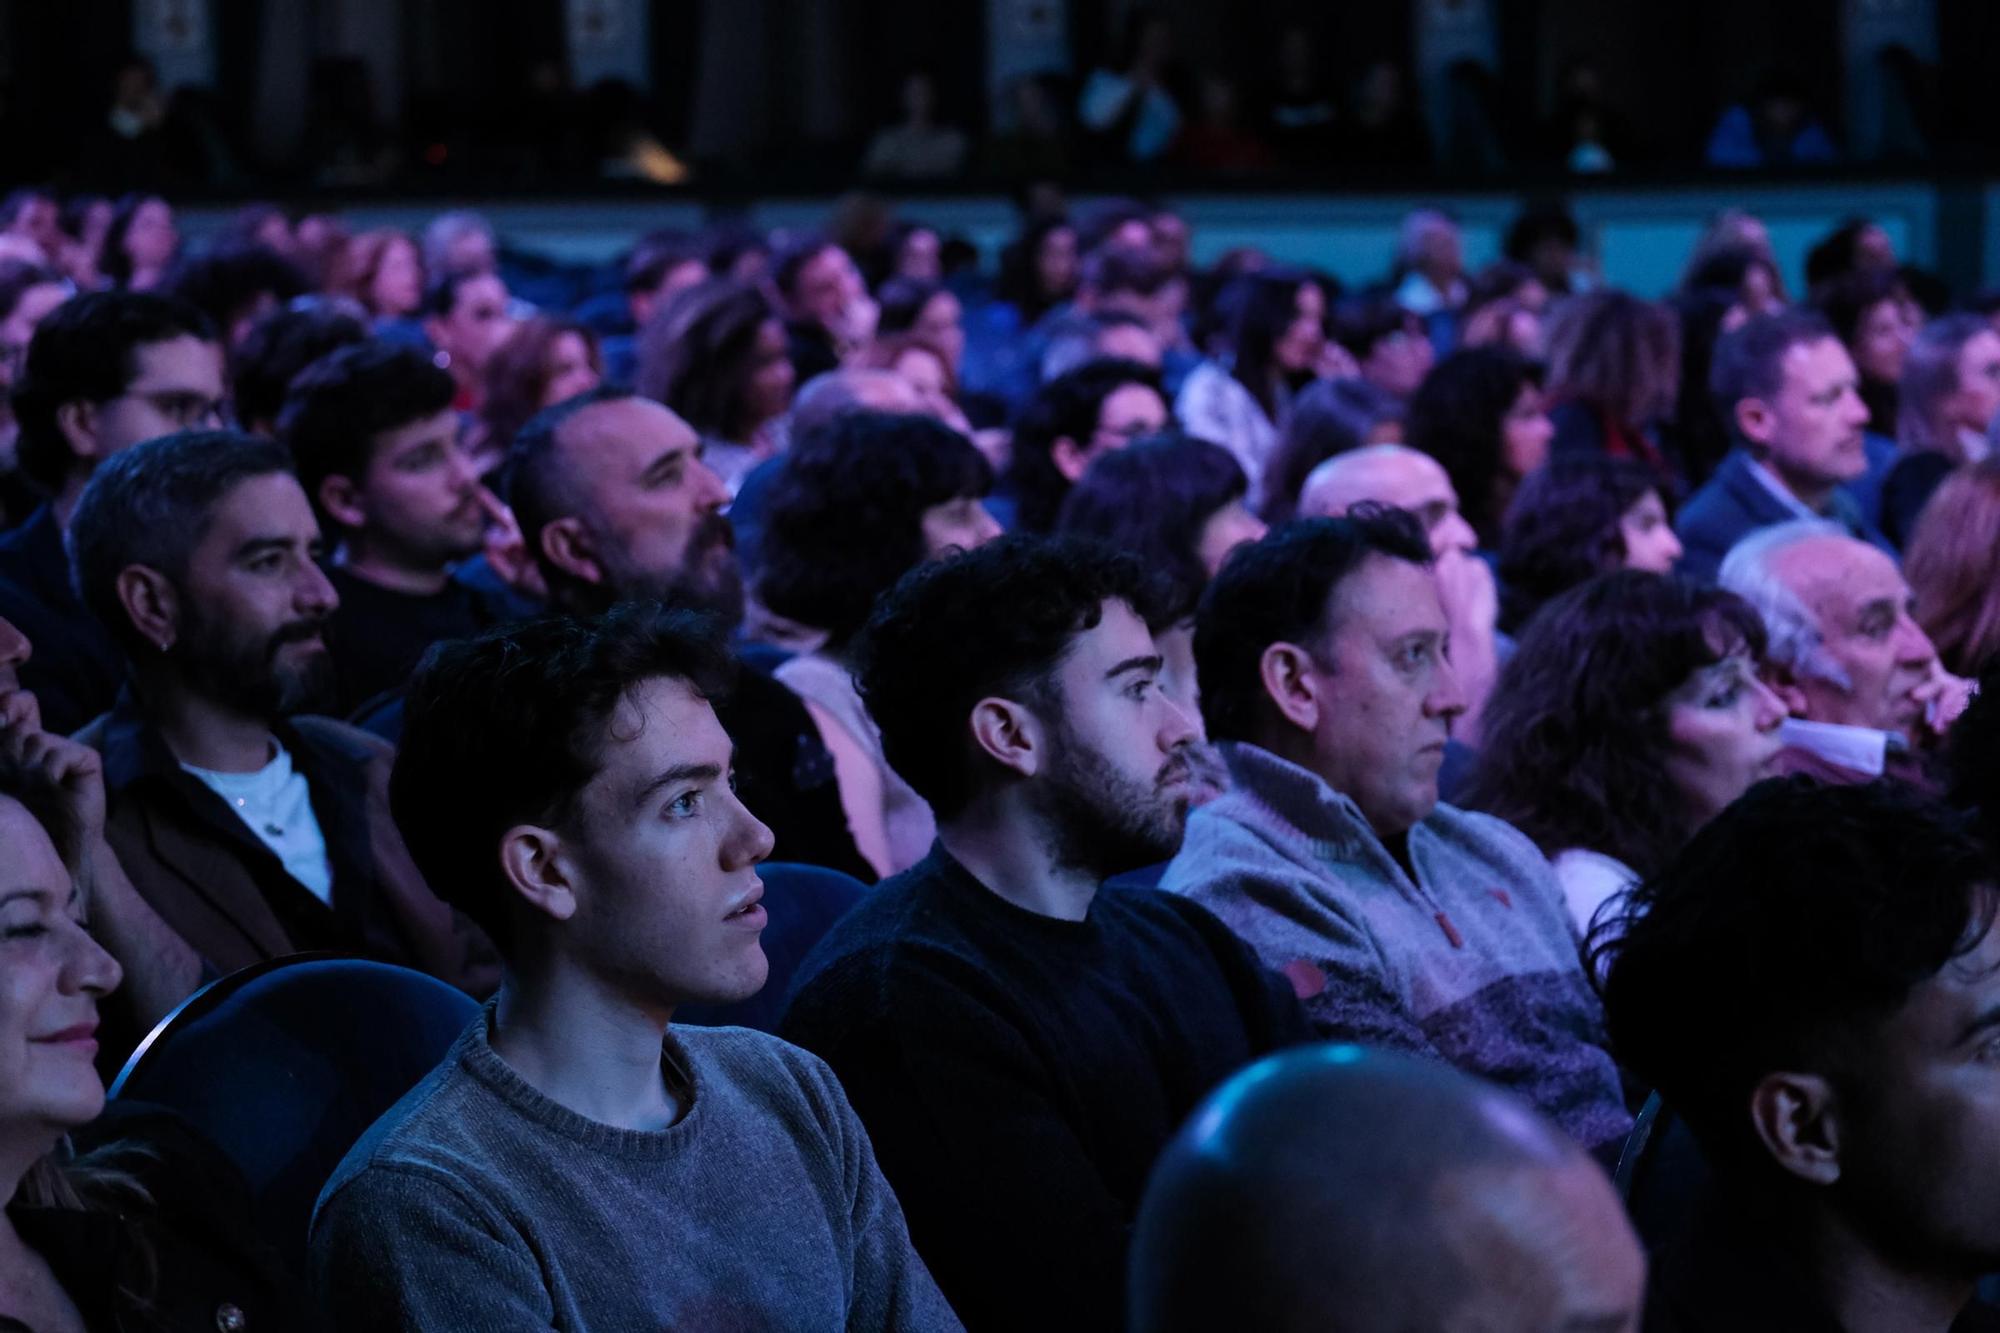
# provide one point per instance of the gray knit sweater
(1472, 962)
(478, 1203)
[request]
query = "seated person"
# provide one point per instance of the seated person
(1791, 397)
(1581, 515)
(279, 346)
(861, 502)
(374, 437)
(1020, 1038)
(1396, 475)
(160, 969)
(615, 504)
(1633, 712)
(1097, 407)
(1340, 1188)
(129, 1222)
(576, 1162)
(1327, 679)
(253, 827)
(1176, 502)
(1867, 693)
(1811, 986)
(103, 372)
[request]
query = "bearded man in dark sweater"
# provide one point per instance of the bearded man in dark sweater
(1020, 1038)
(575, 1163)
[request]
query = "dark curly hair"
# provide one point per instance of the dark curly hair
(274, 351)
(698, 354)
(1563, 528)
(1575, 733)
(506, 728)
(844, 520)
(230, 280)
(993, 621)
(1277, 590)
(1800, 914)
(1152, 499)
(1457, 416)
(1067, 406)
(1972, 758)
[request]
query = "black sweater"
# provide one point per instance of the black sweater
(1019, 1074)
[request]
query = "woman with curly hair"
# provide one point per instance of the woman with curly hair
(857, 505)
(716, 355)
(1575, 519)
(1479, 414)
(1630, 715)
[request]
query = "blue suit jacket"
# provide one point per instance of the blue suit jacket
(1732, 504)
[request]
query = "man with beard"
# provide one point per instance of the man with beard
(253, 829)
(615, 504)
(1019, 1037)
(375, 440)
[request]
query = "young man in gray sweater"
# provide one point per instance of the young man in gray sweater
(575, 1163)
(1325, 669)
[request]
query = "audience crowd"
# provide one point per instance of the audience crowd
(1245, 800)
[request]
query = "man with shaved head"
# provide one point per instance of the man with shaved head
(1340, 1188)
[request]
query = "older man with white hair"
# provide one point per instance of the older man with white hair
(1868, 695)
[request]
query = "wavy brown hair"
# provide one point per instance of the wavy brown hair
(1953, 565)
(1575, 734)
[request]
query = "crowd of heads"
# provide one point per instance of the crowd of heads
(1655, 623)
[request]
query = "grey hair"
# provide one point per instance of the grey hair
(1930, 375)
(1795, 639)
(446, 228)
(151, 505)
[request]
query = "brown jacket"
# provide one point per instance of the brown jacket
(229, 896)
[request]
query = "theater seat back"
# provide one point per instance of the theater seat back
(803, 902)
(284, 1065)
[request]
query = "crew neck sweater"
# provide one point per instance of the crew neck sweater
(1019, 1073)
(478, 1202)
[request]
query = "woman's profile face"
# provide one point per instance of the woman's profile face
(51, 976)
(1722, 734)
(1650, 543)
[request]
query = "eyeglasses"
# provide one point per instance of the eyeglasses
(185, 408)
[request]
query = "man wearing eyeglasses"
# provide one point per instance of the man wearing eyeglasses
(103, 372)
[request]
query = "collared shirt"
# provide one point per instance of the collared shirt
(1779, 491)
(1862, 750)
(1840, 507)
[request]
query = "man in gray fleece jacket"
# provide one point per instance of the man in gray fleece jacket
(575, 1163)
(1402, 923)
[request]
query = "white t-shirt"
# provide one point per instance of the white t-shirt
(276, 804)
(1589, 880)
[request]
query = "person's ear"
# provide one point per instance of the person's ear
(1797, 1119)
(151, 603)
(1755, 419)
(567, 544)
(77, 421)
(1069, 459)
(538, 867)
(341, 499)
(1784, 683)
(1291, 681)
(1010, 734)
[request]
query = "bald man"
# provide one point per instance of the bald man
(1396, 475)
(1333, 1187)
